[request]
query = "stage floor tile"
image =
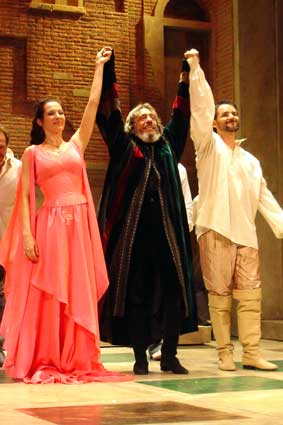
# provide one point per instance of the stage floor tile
(128, 414)
(217, 385)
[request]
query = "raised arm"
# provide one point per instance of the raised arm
(202, 103)
(83, 134)
(109, 118)
(30, 245)
(177, 128)
(271, 210)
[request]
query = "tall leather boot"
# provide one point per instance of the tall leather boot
(141, 363)
(169, 362)
(249, 328)
(220, 316)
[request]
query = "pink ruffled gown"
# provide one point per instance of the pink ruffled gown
(50, 322)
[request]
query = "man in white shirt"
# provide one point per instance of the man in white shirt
(9, 167)
(231, 190)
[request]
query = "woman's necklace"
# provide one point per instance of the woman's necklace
(53, 147)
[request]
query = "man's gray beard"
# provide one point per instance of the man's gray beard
(149, 137)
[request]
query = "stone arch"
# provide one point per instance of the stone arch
(155, 26)
(160, 8)
(194, 9)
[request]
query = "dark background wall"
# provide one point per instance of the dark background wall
(259, 90)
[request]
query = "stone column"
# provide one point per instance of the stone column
(258, 93)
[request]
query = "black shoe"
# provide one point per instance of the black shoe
(140, 368)
(2, 354)
(2, 357)
(172, 364)
(141, 364)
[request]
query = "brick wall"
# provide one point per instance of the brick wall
(220, 14)
(44, 53)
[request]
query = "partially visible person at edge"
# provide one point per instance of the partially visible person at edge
(144, 227)
(187, 194)
(154, 350)
(9, 171)
(55, 269)
(231, 191)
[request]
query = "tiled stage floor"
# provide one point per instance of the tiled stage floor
(205, 396)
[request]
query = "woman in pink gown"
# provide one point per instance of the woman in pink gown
(54, 261)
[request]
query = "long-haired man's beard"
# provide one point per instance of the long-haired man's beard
(149, 137)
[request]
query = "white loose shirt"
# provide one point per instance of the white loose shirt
(231, 185)
(8, 186)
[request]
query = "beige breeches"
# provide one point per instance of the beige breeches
(226, 265)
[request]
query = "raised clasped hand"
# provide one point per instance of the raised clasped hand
(104, 54)
(192, 57)
(191, 53)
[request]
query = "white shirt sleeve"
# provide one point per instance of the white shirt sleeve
(271, 210)
(187, 195)
(202, 108)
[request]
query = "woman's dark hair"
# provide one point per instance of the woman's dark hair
(37, 134)
(4, 131)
